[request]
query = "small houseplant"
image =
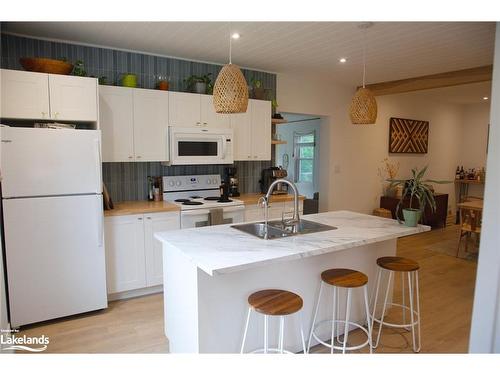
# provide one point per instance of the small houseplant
(257, 89)
(199, 84)
(417, 189)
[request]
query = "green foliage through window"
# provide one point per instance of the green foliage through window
(304, 145)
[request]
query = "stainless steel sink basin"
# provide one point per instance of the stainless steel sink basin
(277, 229)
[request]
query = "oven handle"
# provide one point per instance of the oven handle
(234, 208)
(194, 212)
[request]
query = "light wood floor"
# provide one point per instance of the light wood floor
(446, 287)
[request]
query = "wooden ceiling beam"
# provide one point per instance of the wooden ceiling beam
(433, 81)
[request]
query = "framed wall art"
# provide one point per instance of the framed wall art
(408, 136)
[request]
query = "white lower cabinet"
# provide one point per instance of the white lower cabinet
(133, 255)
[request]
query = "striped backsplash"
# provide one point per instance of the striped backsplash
(111, 63)
(128, 181)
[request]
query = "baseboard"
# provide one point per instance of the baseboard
(135, 293)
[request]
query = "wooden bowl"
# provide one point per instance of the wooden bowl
(43, 65)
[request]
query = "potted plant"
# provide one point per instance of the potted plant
(417, 190)
(199, 84)
(257, 89)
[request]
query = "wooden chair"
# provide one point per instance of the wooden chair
(470, 222)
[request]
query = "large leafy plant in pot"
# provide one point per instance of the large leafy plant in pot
(417, 189)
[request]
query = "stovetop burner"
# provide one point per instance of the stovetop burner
(182, 200)
(192, 203)
(218, 199)
(212, 198)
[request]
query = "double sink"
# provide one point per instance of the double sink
(278, 229)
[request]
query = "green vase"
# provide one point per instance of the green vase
(411, 216)
(129, 80)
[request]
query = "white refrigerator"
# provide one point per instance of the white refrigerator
(53, 222)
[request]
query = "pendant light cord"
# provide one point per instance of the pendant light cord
(230, 47)
(364, 57)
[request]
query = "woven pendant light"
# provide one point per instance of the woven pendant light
(230, 89)
(363, 109)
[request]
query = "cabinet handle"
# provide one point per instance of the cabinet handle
(43, 114)
(139, 218)
(255, 157)
(56, 114)
(130, 157)
(198, 123)
(138, 157)
(249, 156)
(149, 218)
(205, 124)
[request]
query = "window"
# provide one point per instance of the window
(304, 145)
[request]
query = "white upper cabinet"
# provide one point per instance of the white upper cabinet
(73, 98)
(24, 95)
(260, 124)
(151, 125)
(40, 96)
(117, 123)
(209, 117)
(240, 123)
(184, 109)
(252, 132)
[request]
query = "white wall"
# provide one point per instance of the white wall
(354, 152)
(485, 329)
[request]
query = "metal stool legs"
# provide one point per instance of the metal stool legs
(281, 338)
(414, 311)
(336, 321)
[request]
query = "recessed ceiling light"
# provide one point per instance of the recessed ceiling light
(485, 98)
(235, 36)
(343, 60)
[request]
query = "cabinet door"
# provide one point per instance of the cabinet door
(24, 95)
(240, 123)
(125, 259)
(184, 109)
(117, 123)
(157, 222)
(210, 118)
(260, 125)
(150, 125)
(73, 98)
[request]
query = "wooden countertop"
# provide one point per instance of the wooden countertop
(253, 198)
(140, 207)
(143, 207)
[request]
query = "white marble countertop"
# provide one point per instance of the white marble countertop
(221, 249)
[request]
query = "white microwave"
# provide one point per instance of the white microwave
(200, 146)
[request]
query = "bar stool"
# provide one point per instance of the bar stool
(274, 302)
(409, 268)
(349, 280)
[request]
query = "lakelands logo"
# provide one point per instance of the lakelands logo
(30, 344)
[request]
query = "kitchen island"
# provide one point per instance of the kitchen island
(209, 273)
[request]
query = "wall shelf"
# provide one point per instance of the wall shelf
(276, 121)
(275, 142)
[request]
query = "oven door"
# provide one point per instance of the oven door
(200, 146)
(201, 218)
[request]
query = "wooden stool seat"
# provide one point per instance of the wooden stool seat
(343, 277)
(275, 302)
(399, 264)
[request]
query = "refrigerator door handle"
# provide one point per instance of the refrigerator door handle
(98, 162)
(100, 228)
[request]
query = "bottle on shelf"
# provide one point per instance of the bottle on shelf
(462, 173)
(457, 173)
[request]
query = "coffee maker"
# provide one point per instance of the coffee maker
(232, 180)
(268, 176)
